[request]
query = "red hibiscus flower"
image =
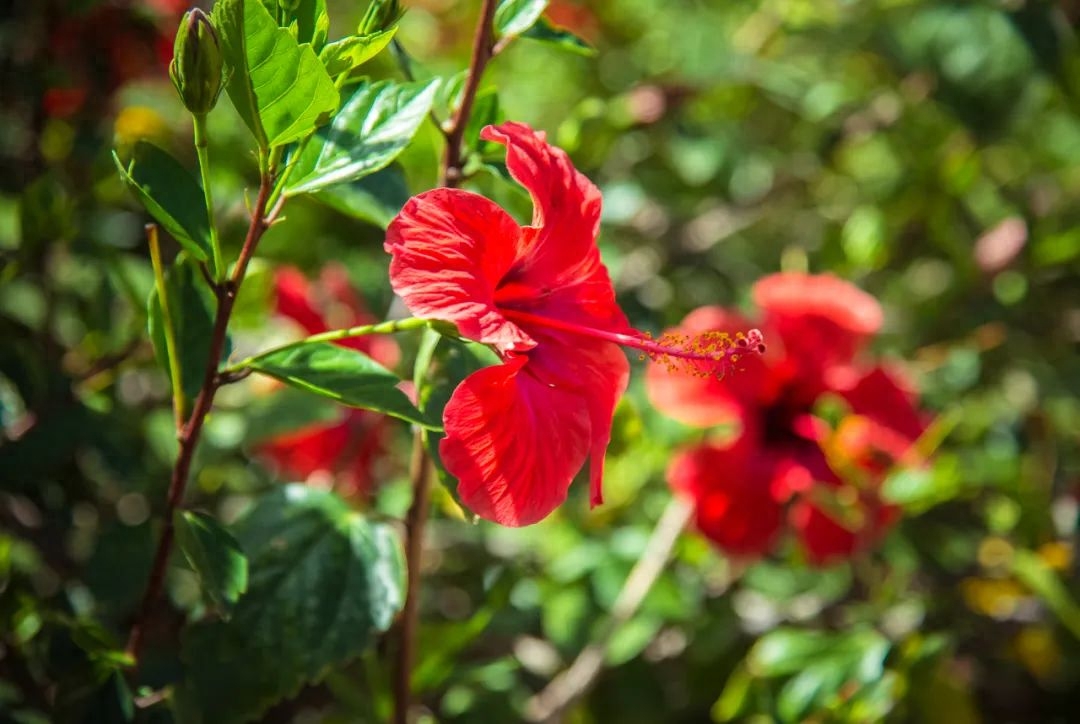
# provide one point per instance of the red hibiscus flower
(779, 454)
(518, 432)
(347, 448)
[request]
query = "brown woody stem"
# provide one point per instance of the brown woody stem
(189, 434)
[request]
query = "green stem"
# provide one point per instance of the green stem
(389, 327)
(202, 151)
(169, 330)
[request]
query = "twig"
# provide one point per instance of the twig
(483, 44)
(575, 681)
(189, 435)
(421, 471)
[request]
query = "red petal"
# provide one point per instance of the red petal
(734, 507)
(826, 541)
(304, 452)
(451, 248)
(518, 433)
(513, 443)
(293, 296)
(820, 321)
(566, 208)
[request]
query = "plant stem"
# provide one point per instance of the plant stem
(421, 471)
(561, 692)
(189, 435)
(483, 43)
(203, 153)
(169, 328)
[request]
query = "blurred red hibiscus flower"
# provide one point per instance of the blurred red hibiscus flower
(344, 450)
(782, 461)
(518, 432)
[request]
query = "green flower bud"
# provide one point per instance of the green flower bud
(380, 15)
(197, 64)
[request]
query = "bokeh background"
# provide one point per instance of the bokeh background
(927, 151)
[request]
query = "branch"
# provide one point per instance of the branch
(482, 52)
(189, 434)
(574, 682)
(421, 471)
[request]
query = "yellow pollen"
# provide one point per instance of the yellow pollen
(705, 354)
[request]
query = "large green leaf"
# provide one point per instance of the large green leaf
(279, 87)
(348, 54)
(514, 17)
(215, 556)
(324, 580)
(372, 128)
(345, 375)
(169, 193)
(191, 307)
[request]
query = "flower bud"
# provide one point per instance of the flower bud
(380, 15)
(197, 64)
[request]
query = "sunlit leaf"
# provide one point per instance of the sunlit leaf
(279, 87)
(373, 127)
(348, 54)
(514, 17)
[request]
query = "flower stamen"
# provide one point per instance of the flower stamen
(704, 354)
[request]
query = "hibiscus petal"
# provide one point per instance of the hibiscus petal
(450, 250)
(733, 505)
(514, 442)
(566, 210)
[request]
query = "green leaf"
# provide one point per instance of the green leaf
(215, 556)
(348, 54)
(324, 581)
(376, 198)
(631, 638)
(191, 306)
(169, 193)
(809, 689)
(345, 375)
(371, 130)
(735, 698)
(279, 87)
(544, 32)
(312, 22)
(514, 17)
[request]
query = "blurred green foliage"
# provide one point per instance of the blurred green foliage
(926, 150)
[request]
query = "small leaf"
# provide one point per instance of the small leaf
(1034, 573)
(191, 306)
(312, 22)
(215, 556)
(169, 193)
(631, 638)
(372, 128)
(279, 87)
(345, 375)
(544, 32)
(324, 581)
(376, 198)
(735, 697)
(348, 54)
(514, 17)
